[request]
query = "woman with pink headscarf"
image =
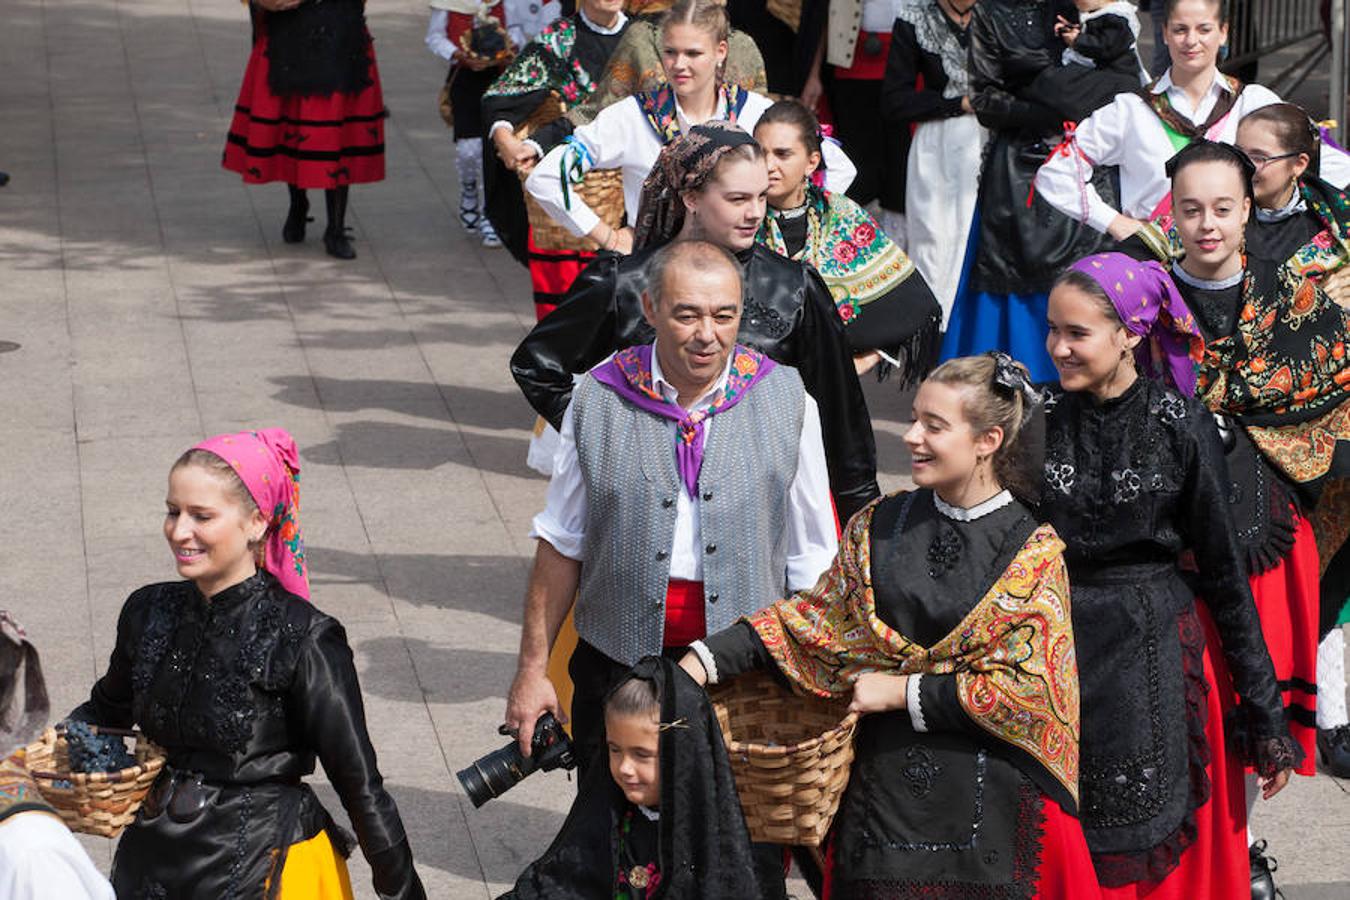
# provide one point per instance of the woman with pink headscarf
(244, 683)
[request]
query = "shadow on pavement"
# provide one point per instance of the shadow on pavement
(384, 445)
(447, 674)
(489, 585)
(495, 410)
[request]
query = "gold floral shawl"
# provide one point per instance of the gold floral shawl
(1013, 653)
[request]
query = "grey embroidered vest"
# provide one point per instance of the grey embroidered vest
(627, 459)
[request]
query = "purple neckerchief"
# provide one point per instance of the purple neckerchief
(629, 374)
(1149, 305)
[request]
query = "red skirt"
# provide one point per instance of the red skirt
(1287, 599)
(1214, 866)
(308, 142)
(552, 273)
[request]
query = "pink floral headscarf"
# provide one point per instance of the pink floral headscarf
(268, 463)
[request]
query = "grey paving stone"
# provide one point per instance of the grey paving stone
(155, 304)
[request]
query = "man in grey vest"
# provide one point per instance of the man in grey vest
(690, 489)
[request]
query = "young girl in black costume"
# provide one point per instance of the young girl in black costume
(662, 816)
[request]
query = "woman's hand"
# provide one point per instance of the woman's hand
(1123, 228)
(1274, 784)
(694, 666)
(1337, 287)
(876, 692)
(866, 362)
(514, 153)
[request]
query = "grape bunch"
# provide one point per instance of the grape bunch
(90, 752)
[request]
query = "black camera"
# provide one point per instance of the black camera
(499, 771)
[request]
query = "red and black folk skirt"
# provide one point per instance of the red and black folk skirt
(1287, 600)
(323, 141)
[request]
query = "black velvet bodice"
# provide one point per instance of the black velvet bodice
(1273, 243)
(927, 577)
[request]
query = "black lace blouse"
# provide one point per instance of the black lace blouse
(244, 692)
(1133, 485)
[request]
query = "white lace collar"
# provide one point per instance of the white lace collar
(1204, 284)
(653, 815)
(1295, 206)
(978, 511)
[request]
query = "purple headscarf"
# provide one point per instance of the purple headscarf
(1149, 305)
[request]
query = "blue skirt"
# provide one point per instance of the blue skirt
(1013, 323)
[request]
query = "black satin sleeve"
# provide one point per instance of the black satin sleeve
(825, 361)
(902, 101)
(1105, 39)
(942, 709)
(1222, 577)
(736, 650)
(570, 340)
(993, 65)
(110, 700)
(327, 701)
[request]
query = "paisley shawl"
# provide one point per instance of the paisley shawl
(1012, 655)
(857, 260)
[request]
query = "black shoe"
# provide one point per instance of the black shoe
(293, 232)
(338, 244)
(1263, 881)
(1333, 745)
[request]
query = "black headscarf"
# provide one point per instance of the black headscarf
(704, 845)
(685, 164)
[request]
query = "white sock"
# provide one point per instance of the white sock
(1253, 790)
(1331, 711)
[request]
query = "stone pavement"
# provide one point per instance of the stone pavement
(154, 304)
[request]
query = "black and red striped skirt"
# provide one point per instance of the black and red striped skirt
(309, 142)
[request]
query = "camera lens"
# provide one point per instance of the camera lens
(494, 774)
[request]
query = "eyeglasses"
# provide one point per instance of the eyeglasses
(1260, 160)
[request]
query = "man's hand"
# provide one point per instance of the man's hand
(532, 695)
(875, 692)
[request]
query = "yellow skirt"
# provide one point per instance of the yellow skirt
(315, 871)
(557, 665)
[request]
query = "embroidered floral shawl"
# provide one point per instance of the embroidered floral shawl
(1013, 654)
(546, 62)
(857, 260)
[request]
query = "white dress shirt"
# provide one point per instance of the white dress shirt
(811, 544)
(1129, 134)
(438, 42)
(620, 137)
(524, 20)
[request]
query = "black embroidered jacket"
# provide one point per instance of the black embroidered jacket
(1137, 486)
(244, 692)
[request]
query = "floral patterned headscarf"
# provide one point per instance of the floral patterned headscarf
(685, 164)
(268, 463)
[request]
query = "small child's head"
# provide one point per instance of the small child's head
(633, 730)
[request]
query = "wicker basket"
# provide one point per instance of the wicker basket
(790, 756)
(101, 803)
(601, 190)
